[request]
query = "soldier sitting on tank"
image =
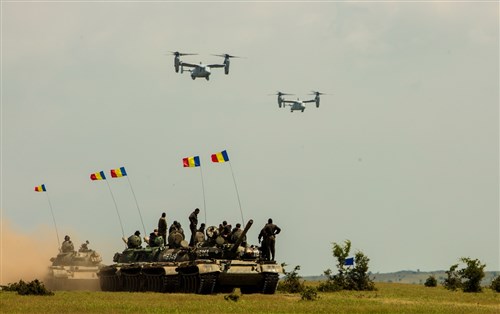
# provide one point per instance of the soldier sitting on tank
(134, 241)
(236, 233)
(180, 230)
(152, 238)
(226, 233)
(84, 247)
(67, 245)
(200, 235)
(172, 227)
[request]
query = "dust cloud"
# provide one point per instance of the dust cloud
(24, 255)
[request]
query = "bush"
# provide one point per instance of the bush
(468, 279)
(472, 275)
(495, 284)
(309, 294)
(452, 280)
(291, 283)
(431, 281)
(34, 287)
(348, 278)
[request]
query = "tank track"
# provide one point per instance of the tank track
(133, 282)
(270, 283)
(198, 283)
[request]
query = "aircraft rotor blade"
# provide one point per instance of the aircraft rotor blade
(178, 54)
(225, 55)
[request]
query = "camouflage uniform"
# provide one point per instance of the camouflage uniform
(67, 245)
(162, 227)
(268, 234)
(193, 225)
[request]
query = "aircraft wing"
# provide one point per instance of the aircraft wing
(312, 100)
(216, 65)
(189, 65)
(284, 101)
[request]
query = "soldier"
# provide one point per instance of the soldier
(236, 233)
(84, 247)
(134, 241)
(152, 238)
(67, 245)
(179, 228)
(200, 235)
(268, 233)
(193, 225)
(173, 227)
(162, 227)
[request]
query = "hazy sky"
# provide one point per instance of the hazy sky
(401, 158)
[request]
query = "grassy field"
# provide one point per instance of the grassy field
(389, 298)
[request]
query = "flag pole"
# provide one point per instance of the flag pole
(237, 194)
(53, 219)
(203, 189)
(116, 207)
(136, 203)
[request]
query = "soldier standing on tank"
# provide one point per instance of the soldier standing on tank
(268, 233)
(193, 225)
(162, 227)
(67, 245)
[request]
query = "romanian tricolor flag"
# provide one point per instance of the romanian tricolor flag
(116, 173)
(191, 161)
(220, 157)
(40, 188)
(98, 176)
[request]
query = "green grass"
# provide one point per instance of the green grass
(389, 298)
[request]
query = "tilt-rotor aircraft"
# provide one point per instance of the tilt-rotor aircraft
(297, 104)
(200, 70)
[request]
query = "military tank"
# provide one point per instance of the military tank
(74, 270)
(210, 267)
(151, 268)
(219, 266)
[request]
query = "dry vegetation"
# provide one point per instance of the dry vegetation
(389, 298)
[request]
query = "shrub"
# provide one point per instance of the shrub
(348, 278)
(330, 285)
(291, 283)
(452, 280)
(472, 275)
(431, 281)
(34, 287)
(309, 294)
(495, 284)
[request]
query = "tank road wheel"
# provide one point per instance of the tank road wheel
(270, 283)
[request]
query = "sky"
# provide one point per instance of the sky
(401, 158)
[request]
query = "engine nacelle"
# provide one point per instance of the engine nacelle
(317, 101)
(177, 62)
(226, 67)
(280, 101)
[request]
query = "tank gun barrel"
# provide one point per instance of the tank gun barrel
(241, 237)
